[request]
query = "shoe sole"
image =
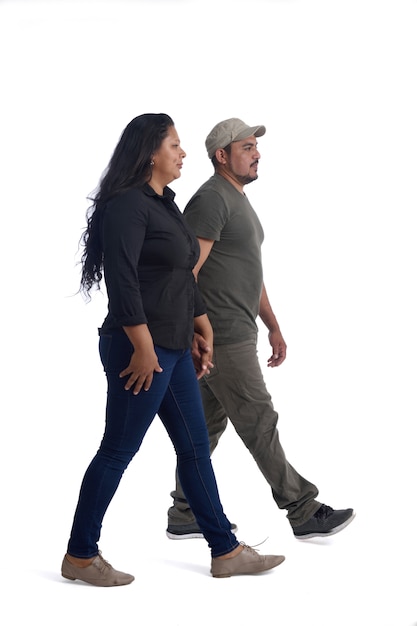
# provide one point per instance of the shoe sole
(185, 536)
(333, 531)
(194, 535)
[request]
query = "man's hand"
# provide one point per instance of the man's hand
(279, 349)
(201, 352)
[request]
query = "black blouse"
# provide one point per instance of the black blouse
(149, 254)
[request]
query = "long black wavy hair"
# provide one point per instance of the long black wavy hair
(129, 167)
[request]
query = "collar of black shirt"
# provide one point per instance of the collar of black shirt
(168, 193)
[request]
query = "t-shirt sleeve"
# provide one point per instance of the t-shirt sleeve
(206, 214)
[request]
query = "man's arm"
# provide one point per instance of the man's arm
(202, 348)
(279, 347)
(205, 249)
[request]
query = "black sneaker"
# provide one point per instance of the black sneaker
(324, 522)
(188, 531)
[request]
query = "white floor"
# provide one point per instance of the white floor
(363, 576)
(334, 82)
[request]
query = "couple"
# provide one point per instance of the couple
(156, 342)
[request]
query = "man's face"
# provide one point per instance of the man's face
(242, 163)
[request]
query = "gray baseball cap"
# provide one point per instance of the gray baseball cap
(228, 131)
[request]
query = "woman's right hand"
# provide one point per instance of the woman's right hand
(140, 371)
(143, 362)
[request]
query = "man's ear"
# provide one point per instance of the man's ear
(221, 155)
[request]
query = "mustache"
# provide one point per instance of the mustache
(255, 162)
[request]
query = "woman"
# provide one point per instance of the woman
(136, 237)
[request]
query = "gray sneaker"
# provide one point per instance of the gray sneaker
(326, 521)
(188, 531)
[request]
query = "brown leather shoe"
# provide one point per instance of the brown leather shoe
(99, 573)
(249, 561)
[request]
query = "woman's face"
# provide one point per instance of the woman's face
(167, 160)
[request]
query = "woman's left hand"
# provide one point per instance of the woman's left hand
(201, 352)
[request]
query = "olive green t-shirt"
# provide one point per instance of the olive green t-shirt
(231, 278)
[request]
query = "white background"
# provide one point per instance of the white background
(334, 81)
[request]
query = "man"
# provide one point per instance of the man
(229, 274)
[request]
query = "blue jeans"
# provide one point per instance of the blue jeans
(175, 396)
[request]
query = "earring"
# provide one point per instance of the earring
(151, 163)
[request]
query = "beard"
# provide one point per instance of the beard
(245, 180)
(248, 178)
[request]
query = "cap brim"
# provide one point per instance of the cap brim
(258, 131)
